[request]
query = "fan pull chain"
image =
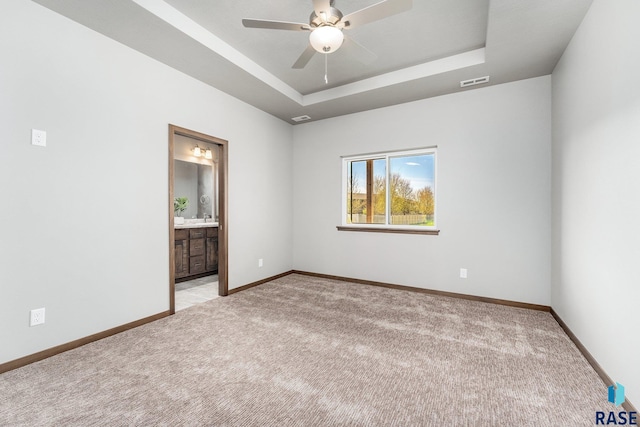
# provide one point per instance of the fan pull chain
(326, 79)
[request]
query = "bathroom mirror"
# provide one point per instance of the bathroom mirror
(196, 177)
(196, 182)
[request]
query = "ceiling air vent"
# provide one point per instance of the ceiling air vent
(301, 118)
(476, 81)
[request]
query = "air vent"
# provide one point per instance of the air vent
(476, 81)
(301, 118)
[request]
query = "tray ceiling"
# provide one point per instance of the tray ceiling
(421, 53)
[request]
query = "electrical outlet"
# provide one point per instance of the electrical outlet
(463, 273)
(38, 137)
(260, 263)
(37, 317)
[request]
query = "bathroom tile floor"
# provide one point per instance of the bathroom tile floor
(196, 291)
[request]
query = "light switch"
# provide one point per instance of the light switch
(38, 137)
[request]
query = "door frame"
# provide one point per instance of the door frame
(223, 264)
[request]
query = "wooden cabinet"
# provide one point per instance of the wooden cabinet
(211, 255)
(196, 252)
(182, 253)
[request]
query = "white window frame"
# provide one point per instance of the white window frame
(387, 155)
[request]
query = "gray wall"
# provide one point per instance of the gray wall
(85, 221)
(493, 199)
(596, 188)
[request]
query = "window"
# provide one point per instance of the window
(390, 191)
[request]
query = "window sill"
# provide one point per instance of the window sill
(388, 230)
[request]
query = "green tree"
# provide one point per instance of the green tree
(355, 203)
(379, 195)
(402, 200)
(425, 201)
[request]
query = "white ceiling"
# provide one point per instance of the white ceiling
(421, 53)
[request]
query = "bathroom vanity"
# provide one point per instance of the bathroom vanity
(196, 250)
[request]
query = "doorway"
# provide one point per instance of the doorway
(209, 214)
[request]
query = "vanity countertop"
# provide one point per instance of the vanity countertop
(196, 225)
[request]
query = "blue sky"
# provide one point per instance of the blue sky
(419, 170)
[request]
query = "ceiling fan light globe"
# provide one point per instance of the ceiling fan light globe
(326, 39)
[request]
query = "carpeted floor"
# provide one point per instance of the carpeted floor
(304, 351)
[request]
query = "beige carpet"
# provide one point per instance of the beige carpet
(303, 351)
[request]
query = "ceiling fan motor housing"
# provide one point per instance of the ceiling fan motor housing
(331, 18)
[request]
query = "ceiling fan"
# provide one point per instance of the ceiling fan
(326, 24)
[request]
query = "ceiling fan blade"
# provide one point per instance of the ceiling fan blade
(358, 52)
(321, 6)
(304, 58)
(275, 25)
(375, 12)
